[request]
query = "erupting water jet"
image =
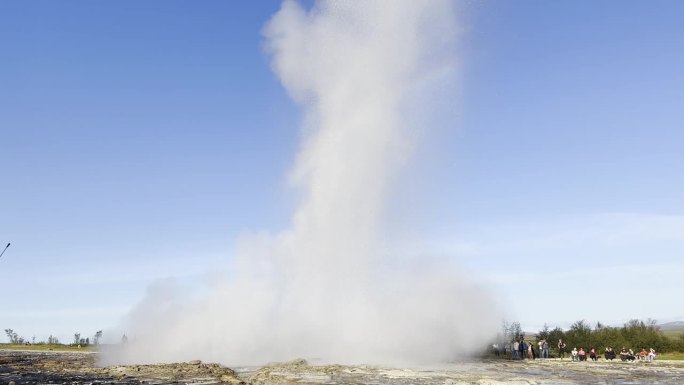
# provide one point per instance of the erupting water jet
(326, 287)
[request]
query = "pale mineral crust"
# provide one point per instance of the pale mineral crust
(79, 368)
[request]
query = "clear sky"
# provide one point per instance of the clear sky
(141, 139)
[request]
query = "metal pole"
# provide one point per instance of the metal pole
(3, 252)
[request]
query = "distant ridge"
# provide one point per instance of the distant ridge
(676, 325)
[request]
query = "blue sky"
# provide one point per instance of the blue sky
(141, 139)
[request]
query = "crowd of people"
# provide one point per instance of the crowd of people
(523, 349)
(629, 355)
(609, 354)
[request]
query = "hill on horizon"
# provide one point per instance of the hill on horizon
(672, 326)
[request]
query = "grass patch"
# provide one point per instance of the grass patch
(671, 356)
(674, 334)
(46, 347)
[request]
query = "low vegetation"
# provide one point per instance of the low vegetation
(16, 341)
(635, 334)
(671, 356)
(41, 347)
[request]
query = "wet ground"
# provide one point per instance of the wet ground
(488, 372)
(24, 367)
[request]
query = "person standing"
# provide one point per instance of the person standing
(514, 352)
(561, 349)
(545, 349)
(530, 351)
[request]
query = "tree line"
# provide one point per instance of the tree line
(15, 339)
(635, 334)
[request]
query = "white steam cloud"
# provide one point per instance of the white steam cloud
(328, 287)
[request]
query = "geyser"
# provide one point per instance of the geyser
(327, 287)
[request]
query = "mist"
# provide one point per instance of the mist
(331, 287)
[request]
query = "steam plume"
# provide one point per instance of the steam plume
(327, 287)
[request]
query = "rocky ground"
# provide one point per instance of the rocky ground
(24, 367)
(40, 367)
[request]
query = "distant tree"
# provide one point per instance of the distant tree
(544, 333)
(674, 344)
(516, 330)
(511, 330)
(640, 334)
(579, 335)
(10, 334)
(53, 340)
(13, 337)
(608, 336)
(505, 331)
(77, 338)
(98, 336)
(555, 335)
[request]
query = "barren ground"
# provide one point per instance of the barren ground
(40, 367)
